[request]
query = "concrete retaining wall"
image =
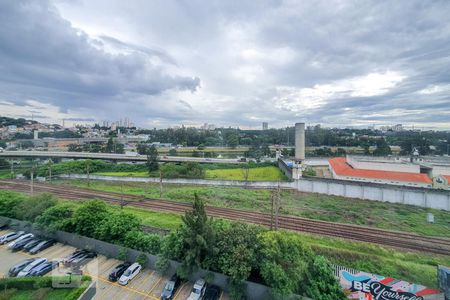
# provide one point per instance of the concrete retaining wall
(424, 197)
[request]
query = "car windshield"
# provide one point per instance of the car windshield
(169, 286)
(196, 291)
(127, 273)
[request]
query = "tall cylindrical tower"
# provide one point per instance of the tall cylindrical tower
(299, 141)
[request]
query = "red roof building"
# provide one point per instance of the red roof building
(342, 170)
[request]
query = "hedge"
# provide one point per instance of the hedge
(32, 283)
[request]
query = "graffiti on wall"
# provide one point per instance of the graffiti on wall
(366, 286)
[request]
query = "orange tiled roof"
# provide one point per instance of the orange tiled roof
(447, 177)
(342, 168)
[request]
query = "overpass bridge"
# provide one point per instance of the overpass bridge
(111, 156)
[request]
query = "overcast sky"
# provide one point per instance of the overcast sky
(166, 63)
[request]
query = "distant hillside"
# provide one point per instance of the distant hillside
(5, 121)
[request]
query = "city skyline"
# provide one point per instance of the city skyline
(167, 64)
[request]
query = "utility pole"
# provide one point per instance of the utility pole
(12, 168)
(271, 210)
(32, 178)
(122, 201)
(50, 163)
(160, 183)
(277, 205)
(87, 171)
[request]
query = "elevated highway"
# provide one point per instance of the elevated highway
(111, 156)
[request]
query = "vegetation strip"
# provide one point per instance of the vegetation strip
(372, 235)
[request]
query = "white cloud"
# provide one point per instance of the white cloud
(435, 89)
(299, 99)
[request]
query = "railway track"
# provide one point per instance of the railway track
(396, 239)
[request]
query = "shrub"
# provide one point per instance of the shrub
(58, 217)
(142, 241)
(142, 259)
(40, 294)
(162, 265)
(236, 289)
(115, 226)
(9, 201)
(34, 206)
(123, 254)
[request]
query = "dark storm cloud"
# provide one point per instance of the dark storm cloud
(41, 51)
(332, 62)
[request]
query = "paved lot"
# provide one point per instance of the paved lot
(147, 285)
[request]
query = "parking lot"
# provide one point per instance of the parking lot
(148, 284)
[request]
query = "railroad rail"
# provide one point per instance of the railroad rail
(403, 240)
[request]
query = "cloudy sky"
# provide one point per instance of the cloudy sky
(165, 63)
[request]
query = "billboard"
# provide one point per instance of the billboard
(365, 286)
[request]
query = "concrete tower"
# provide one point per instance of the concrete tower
(299, 141)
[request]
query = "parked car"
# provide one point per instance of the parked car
(31, 244)
(170, 288)
(14, 270)
(118, 271)
(198, 290)
(43, 269)
(42, 246)
(20, 238)
(68, 259)
(38, 261)
(18, 245)
(212, 293)
(83, 259)
(10, 237)
(130, 273)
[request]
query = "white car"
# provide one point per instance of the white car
(30, 267)
(10, 236)
(198, 290)
(130, 273)
(25, 236)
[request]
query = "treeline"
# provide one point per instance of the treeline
(279, 259)
(314, 136)
(168, 170)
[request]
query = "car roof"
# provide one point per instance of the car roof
(199, 283)
(134, 265)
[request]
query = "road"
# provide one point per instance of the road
(111, 156)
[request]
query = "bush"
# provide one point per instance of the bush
(115, 227)
(25, 283)
(237, 289)
(9, 201)
(162, 265)
(142, 259)
(123, 254)
(142, 241)
(58, 217)
(34, 206)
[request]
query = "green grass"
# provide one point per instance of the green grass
(269, 173)
(410, 266)
(321, 207)
(266, 173)
(54, 294)
(156, 219)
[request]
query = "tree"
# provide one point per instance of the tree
(116, 226)
(173, 152)
(9, 201)
(142, 148)
(33, 207)
(152, 159)
(321, 284)
(283, 261)
(382, 149)
(109, 148)
(58, 217)
(232, 140)
(89, 216)
(198, 236)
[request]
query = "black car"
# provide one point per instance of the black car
(43, 268)
(42, 246)
(83, 259)
(212, 293)
(118, 271)
(14, 270)
(170, 288)
(20, 244)
(31, 244)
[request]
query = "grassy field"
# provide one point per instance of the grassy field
(322, 207)
(267, 173)
(270, 173)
